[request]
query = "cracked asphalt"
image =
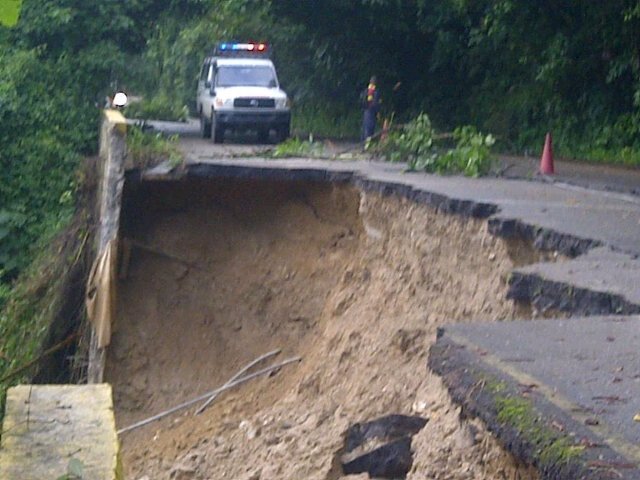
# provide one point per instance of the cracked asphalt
(587, 367)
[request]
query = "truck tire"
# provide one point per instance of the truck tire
(205, 127)
(284, 132)
(263, 135)
(217, 132)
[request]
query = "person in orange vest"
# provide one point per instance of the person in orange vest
(371, 105)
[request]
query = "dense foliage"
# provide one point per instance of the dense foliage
(513, 67)
(56, 66)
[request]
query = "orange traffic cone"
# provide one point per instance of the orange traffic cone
(546, 162)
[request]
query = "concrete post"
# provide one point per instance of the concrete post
(109, 200)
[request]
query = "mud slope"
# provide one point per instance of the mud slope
(355, 283)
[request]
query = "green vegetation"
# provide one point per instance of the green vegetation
(418, 144)
(552, 447)
(334, 122)
(159, 107)
(56, 67)
(39, 297)
(146, 148)
(57, 64)
(465, 62)
(294, 147)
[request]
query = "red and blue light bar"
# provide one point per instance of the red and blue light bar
(243, 47)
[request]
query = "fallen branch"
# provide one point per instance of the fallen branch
(380, 133)
(208, 394)
(46, 353)
(237, 376)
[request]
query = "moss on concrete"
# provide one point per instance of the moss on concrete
(550, 446)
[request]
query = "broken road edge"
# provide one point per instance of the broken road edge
(523, 418)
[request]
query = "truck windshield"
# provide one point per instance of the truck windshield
(237, 76)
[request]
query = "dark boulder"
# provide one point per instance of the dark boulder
(382, 447)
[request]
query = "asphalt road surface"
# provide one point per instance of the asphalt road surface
(614, 178)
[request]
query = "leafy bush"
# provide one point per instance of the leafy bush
(415, 144)
(51, 288)
(146, 149)
(472, 155)
(160, 107)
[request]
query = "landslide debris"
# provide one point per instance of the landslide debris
(353, 282)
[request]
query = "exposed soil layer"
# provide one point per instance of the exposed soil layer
(357, 284)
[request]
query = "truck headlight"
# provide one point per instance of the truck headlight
(283, 103)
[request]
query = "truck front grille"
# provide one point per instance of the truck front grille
(254, 103)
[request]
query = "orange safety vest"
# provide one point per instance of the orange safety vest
(371, 91)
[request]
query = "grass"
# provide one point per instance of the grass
(35, 300)
(322, 121)
(552, 448)
(626, 156)
(294, 147)
(146, 149)
(592, 143)
(160, 107)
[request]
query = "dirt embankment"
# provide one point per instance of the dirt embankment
(356, 284)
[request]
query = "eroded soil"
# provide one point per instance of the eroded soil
(356, 284)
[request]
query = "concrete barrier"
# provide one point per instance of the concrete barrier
(51, 431)
(111, 168)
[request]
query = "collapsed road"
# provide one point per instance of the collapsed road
(354, 266)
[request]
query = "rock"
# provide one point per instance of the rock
(382, 447)
(392, 460)
(285, 425)
(251, 431)
(390, 427)
(182, 472)
(409, 341)
(255, 475)
(419, 406)
(187, 467)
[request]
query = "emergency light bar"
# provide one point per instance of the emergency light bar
(241, 49)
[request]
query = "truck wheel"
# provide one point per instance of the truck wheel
(263, 135)
(284, 132)
(205, 127)
(217, 132)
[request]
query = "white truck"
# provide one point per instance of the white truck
(238, 89)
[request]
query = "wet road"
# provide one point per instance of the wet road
(613, 178)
